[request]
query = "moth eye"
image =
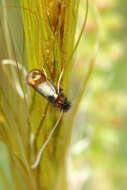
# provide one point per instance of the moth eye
(36, 76)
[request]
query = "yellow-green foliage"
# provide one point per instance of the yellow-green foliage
(42, 36)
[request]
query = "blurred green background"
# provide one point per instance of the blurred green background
(98, 152)
(98, 156)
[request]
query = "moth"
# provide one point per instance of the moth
(38, 80)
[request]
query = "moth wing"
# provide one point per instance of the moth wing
(47, 89)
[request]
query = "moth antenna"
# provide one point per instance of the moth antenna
(18, 68)
(44, 71)
(59, 81)
(39, 155)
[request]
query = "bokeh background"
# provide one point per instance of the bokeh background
(98, 154)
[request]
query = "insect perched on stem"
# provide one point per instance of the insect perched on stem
(38, 80)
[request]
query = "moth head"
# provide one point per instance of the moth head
(65, 106)
(63, 103)
(35, 77)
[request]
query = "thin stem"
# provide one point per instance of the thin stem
(6, 31)
(82, 91)
(81, 32)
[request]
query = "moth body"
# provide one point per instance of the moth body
(42, 85)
